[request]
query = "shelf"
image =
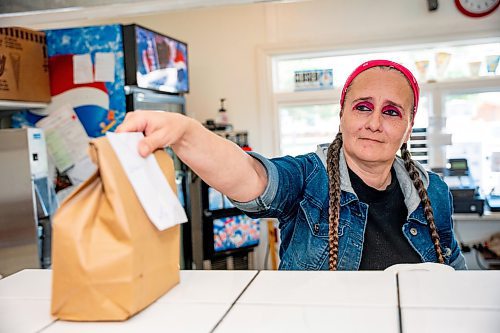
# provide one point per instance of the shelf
(473, 83)
(488, 216)
(21, 105)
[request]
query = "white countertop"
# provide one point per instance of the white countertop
(28, 283)
(25, 304)
(371, 289)
(158, 317)
(419, 289)
(464, 301)
(24, 314)
(308, 318)
(25, 301)
(281, 301)
(300, 301)
(220, 287)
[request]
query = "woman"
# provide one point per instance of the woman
(351, 205)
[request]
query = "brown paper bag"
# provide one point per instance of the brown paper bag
(109, 260)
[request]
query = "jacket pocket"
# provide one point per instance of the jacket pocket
(309, 248)
(317, 220)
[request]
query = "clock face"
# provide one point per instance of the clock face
(477, 8)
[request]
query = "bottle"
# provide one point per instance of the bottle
(222, 119)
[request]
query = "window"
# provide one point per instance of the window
(474, 123)
(303, 127)
(460, 96)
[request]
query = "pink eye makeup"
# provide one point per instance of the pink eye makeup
(363, 106)
(391, 110)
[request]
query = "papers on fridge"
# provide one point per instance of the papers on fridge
(67, 141)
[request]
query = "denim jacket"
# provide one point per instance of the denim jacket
(297, 195)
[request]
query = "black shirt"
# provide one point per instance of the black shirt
(384, 242)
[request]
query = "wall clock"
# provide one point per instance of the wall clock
(477, 8)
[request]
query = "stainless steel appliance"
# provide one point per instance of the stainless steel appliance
(27, 200)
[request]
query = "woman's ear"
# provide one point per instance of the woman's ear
(408, 135)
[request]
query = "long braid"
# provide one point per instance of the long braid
(334, 204)
(422, 193)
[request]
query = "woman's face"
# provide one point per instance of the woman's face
(375, 120)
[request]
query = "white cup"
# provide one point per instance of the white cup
(474, 67)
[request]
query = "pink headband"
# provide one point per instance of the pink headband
(387, 63)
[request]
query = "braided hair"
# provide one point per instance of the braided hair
(334, 204)
(333, 157)
(424, 198)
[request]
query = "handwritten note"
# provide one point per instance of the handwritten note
(66, 138)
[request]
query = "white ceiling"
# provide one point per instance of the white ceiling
(40, 12)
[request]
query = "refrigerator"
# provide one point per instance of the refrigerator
(103, 72)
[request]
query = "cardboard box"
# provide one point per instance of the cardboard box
(24, 72)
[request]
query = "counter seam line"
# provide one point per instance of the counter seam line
(234, 302)
(399, 305)
(47, 326)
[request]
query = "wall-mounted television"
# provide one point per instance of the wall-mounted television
(155, 61)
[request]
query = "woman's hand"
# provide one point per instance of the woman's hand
(160, 128)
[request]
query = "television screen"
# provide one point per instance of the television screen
(162, 62)
(235, 232)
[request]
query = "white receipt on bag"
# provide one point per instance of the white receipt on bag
(155, 194)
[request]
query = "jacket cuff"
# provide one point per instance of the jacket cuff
(262, 202)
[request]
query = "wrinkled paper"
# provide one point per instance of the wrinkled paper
(155, 195)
